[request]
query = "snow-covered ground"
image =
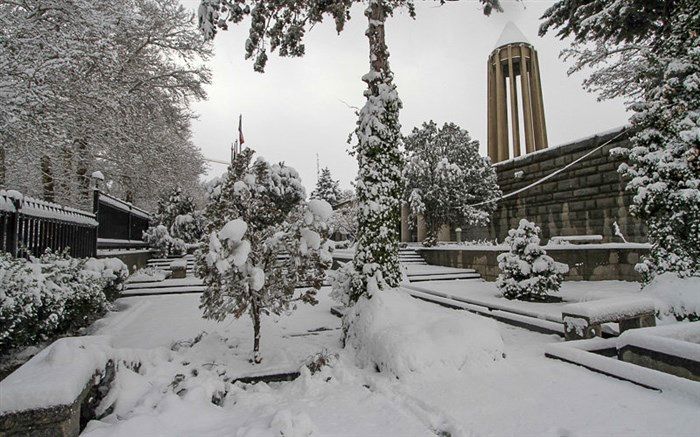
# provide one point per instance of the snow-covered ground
(522, 394)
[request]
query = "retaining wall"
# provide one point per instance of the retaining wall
(601, 263)
(585, 199)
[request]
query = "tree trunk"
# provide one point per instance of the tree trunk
(47, 180)
(84, 193)
(2, 167)
(379, 158)
(255, 313)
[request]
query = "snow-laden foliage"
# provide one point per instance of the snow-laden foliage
(177, 225)
(446, 176)
(106, 86)
(343, 222)
(53, 294)
(281, 26)
(528, 273)
(262, 242)
(326, 188)
(395, 333)
(649, 53)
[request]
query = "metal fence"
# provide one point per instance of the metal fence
(121, 224)
(29, 226)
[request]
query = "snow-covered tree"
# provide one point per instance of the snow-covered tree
(263, 241)
(87, 86)
(528, 273)
(446, 179)
(177, 226)
(326, 188)
(649, 53)
(344, 221)
(281, 26)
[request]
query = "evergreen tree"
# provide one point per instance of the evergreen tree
(326, 188)
(528, 273)
(649, 52)
(281, 26)
(263, 241)
(445, 176)
(173, 204)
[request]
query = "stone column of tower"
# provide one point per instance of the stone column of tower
(514, 57)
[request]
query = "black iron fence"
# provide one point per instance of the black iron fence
(29, 226)
(121, 224)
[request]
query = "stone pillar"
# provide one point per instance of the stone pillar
(527, 102)
(515, 126)
(405, 229)
(421, 228)
(538, 105)
(444, 233)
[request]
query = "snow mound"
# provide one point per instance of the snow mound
(401, 335)
(320, 208)
(679, 297)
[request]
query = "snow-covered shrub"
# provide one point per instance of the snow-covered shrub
(393, 332)
(113, 273)
(676, 297)
(263, 242)
(53, 294)
(342, 281)
(447, 179)
(159, 238)
(528, 273)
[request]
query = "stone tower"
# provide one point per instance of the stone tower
(514, 57)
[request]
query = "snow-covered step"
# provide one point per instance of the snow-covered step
(444, 277)
(183, 282)
(164, 290)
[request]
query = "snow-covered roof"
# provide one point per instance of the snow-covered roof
(510, 34)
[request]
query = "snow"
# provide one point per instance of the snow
(675, 296)
(147, 275)
(401, 335)
(56, 375)
(679, 339)
(521, 394)
(98, 175)
(124, 206)
(510, 34)
(569, 238)
(233, 230)
(178, 264)
(320, 208)
(616, 308)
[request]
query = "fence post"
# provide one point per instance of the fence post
(96, 212)
(13, 228)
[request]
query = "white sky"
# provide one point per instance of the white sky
(294, 111)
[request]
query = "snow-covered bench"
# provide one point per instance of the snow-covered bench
(583, 320)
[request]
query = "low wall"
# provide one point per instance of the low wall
(585, 199)
(600, 263)
(134, 259)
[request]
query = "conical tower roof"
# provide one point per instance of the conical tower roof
(511, 34)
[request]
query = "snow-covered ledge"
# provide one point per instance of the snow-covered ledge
(60, 386)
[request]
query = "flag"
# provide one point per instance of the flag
(240, 131)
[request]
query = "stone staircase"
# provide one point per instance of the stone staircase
(164, 263)
(418, 270)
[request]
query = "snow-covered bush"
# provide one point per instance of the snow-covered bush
(528, 273)
(113, 273)
(342, 281)
(676, 297)
(178, 226)
(53, 294)
(446, 178)
(159, 238)
(263, 242)
(393, 332)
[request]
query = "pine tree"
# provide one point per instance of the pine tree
(281, 26)
(528, 273)
(649, 53)
(262, 242)
(326, 188)
(445, 176)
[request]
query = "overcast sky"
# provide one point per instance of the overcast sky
(295, 109)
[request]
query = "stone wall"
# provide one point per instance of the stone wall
(134, 259)
(594, 262)
(585, 199)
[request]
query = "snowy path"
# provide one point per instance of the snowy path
(525, 394)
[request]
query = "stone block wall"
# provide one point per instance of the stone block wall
(594, 262)
(585, 199)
